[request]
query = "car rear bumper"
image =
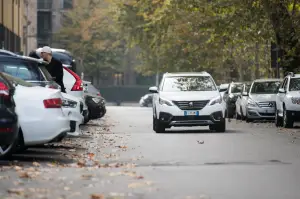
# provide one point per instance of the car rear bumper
(96, 110)
(45, 130)
(202, 120)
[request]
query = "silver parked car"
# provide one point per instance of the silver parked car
(262, 99)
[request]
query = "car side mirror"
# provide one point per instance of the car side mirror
(281, 90)
(245, 94)
(153, 89)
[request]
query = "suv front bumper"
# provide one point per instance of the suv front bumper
(173, 116)
(260, 113)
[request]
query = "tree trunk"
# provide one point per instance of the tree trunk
(257, 73)
(285, 33)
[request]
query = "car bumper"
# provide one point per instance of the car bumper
(45, 130)
(96, 110)
(173, 116)
(260, 113)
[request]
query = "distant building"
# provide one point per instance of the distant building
(11, 25)
(30, 26)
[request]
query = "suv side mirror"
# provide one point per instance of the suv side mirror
(153, 89)
(245, 93)
(281, 90)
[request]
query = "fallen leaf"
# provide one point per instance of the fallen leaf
(87, 176)
(137, 185)
(72, 150)
(81, 163)
(4, 177)
(97, 196)
(24, 174)
(36, 164)
(122, 147)
(17, 168)
(66, 188)
(91, 155)
(18, 191)
(200, 142)
(140, 177)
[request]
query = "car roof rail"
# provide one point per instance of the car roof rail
(34, 59)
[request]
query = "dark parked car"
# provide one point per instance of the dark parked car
(8, 119)
(146, 100)
(230, 97)
(94, 101)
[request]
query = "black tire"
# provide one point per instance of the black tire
(287, 120)
(278, 120)
(8, 150)
(212, 127)
(221, 127)
(158, 127)
(20, 147)
(248, 120)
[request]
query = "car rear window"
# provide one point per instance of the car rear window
(26, 70)
(17, 80)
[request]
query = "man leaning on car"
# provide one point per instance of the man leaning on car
(55, 67)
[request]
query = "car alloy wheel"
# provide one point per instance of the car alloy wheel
(7, 150)
(287, 122)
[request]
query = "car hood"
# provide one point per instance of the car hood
(189, 95)
(263, 97)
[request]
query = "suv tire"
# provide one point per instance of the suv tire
(158, 127)
(287, 120)
(220, 127)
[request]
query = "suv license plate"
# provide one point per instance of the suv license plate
(191, 113)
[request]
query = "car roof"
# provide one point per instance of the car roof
(8, 52)
(18, 57)
(267, 80)
(296, 76)
(179, 74)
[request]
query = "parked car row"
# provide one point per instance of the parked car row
(33, 109)
(265, 99)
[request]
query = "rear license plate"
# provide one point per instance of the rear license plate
(186, 113)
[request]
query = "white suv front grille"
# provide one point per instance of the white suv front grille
(266, 104)
(191, 105)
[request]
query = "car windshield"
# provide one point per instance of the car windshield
(223, 89)
(188, 83)
(295, 84)
(64, 58)
(268, 87)
(26, 70)
(236, 88)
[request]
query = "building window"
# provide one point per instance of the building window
(44, 4)
(67, 4)
(44, 24)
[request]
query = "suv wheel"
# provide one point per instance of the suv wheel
(220, 127)
(278, 120)
(158, 127)
(287, 120)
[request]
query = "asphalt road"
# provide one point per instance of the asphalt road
(121, 157)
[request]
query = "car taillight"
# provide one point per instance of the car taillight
(53, 103)
(78, 86)
(4, 91)
(6, 130)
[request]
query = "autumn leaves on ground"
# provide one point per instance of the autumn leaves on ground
(93, 161)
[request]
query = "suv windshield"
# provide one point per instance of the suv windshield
(23, 69)
(270, 87)
(188, 83)
(236, 88)
(294, 84)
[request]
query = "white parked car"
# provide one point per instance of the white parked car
(187, 99)
(288, 101)
(223, 88)
(262, 99)
(241, 102)
(41, 113)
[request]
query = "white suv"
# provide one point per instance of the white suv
(187, 99)
(288, 101)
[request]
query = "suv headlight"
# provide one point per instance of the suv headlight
(217, 100)
(165, 101)
(250, 102)
(67, 103)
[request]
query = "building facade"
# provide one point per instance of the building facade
(49, 19)
(11, 25)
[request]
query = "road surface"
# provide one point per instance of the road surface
(121, 157)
